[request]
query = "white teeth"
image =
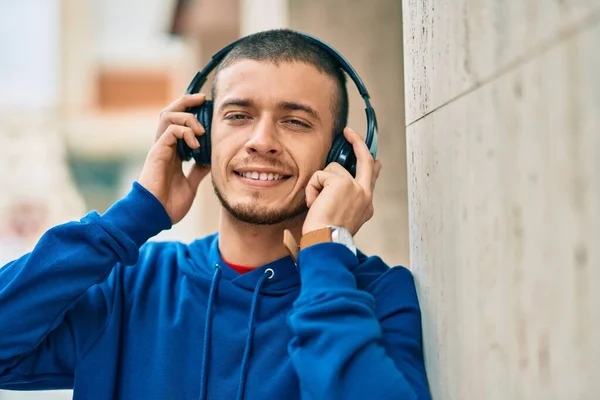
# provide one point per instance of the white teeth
(262, 176)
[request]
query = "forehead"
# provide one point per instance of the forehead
(287, 81)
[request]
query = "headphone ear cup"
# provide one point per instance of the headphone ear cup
(342, 153)
(201, 155)
(336, 146)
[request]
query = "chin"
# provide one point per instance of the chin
(256, 211)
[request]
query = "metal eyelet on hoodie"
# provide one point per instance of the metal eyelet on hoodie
(269, 270)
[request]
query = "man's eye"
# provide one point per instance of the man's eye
(235, 117)
(298, 123)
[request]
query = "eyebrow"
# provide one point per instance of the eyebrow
(291, 106)
(237, 102)
(284, 105)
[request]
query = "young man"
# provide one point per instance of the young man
(95, 308)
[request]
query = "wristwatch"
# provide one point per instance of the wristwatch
(335, 234)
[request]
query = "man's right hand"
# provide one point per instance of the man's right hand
(162, 174)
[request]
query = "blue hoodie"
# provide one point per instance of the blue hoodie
(95, 308)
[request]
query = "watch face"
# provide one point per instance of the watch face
(341, 235)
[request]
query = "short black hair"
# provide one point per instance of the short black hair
(285, 45)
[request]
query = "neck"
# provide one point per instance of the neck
(250, 245)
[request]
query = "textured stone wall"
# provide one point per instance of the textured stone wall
(503, 134)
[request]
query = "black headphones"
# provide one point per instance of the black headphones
(341, 150)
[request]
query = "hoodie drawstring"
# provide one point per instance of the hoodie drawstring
(269, 273)
(250, 337)
(207, 331)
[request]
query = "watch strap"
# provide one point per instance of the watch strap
(315, 237)
(290, 244)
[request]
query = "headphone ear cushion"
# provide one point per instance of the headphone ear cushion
(204, 114)
(336, 147)
(202, 154)
(342, 153)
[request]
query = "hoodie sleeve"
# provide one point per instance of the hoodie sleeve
(347, 347)
(51, 310)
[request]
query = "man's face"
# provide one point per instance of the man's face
(272, 129)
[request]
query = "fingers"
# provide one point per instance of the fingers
(316, 183)
(175, 114)
(174, 132)
(186, 101)
(336, 168)
(365, 164)
(185, 119)
(321, 178)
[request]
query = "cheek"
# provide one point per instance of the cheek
(318, 152)
(223, 150)
(313, 159)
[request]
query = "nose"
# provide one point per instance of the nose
(264, 140)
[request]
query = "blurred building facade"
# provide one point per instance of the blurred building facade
(490, 189)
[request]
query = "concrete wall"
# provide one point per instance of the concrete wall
(369, 34)
(503, 133)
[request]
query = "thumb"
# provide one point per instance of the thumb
(196, 174)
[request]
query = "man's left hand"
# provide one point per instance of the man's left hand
(335, 198)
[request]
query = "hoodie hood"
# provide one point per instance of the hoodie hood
(204, 256)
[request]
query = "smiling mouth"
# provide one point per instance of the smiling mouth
(262, 176)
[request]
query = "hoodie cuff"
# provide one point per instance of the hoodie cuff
(327, 266)
(139, 215)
